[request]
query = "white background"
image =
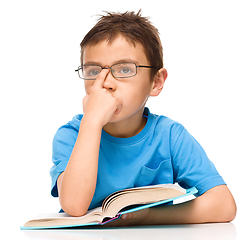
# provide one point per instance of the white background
(40, 91)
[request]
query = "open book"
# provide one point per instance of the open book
(115, 205)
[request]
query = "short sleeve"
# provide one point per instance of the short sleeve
(191, 166)
(63, 144)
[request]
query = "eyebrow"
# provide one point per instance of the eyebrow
(126, 60)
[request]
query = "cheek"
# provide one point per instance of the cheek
(88, 85)
(136, 95)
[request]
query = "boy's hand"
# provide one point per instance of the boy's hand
(131, 219)
(100, 104)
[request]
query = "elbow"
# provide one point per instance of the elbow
(229, 209)
(221, 205)
(74, 209)
(230, 212)
(75, 205)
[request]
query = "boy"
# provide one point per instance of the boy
(117, 143)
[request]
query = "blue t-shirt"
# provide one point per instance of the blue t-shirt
(163, 152)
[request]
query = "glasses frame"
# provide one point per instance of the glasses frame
(137, 66)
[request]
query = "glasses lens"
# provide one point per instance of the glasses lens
(90, 71)
(124, 70)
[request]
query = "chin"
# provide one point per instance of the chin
(116, 118)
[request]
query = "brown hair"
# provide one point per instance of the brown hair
(135, 28)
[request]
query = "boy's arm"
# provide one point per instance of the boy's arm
(76, 185)
(215, 205)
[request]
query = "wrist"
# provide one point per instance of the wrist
(91, 122)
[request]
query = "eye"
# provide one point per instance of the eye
(125, 70)
(94, 72)
(90, 71)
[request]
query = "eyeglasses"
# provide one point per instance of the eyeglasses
(118, 70)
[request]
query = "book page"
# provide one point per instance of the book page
(63, 219)
(118, 194)
(115, 202)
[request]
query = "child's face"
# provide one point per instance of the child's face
(132, 92)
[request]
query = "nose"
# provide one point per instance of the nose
(110, 82)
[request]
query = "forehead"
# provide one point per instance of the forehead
(107, 53)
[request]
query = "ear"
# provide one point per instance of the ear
(158, 82)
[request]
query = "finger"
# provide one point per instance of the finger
(126, 216)
(101, 77)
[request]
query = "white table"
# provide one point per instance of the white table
(223, 231)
